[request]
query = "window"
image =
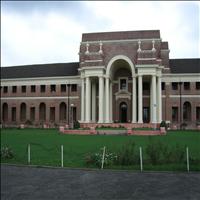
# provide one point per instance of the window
(13, 114)
(146, 86)
(74, 88)
(32, 88)
(174, 114)
(174, 86)
(14, 89)
(186, 85)
(23, 88)
(63, 87)
(123, 84)
(197, 85)
(5, 89)
(53, 88)
(42, 88)
(163, 86)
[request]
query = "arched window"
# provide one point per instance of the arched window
(5, 112)
(187, 111)
(42, 112)
(23, 112)
(63, 111)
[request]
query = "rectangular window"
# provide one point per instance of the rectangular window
(174, 114)
(123, 84)
(32, 113)
(5, 89)
(63, 88)
(163, 86)
(42, 88)
(13, 114)
(146, 86)
(186, 85)
(14, 89)
(197, 85)
(175, 86)
(23, 88)
(53, 88)
(73, 87)
(32, 88)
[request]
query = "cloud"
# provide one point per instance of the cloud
(47, 32)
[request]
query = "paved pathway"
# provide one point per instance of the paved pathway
(31, 183)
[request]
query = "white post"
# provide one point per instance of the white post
(61, 155)
(111, 103)
(159, 100)
(107, 100)
(88, 99)
(140, 100)
(141, 164)
(103, 156)
(154, 118)
(134, 100)
(29, 153)
(83, 100)
(94, 102)
(188, 163)
(101, 98)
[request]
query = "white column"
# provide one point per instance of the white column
(111, 103)
(151, 102)
(154, 118)
(94, 102)
(82, 100)
(107, 101)
(134, 100)
(88, 100)
(101, 98)
(159, 100)
(140, 100)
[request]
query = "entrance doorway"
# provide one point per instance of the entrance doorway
(146, 115)
(123, 112)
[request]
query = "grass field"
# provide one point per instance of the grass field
(45, 146)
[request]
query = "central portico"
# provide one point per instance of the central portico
(121, 77)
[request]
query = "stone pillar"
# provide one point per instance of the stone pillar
(107, 120)
(140, 100)
(111, 103)
(159, 100)
(151, 104)
(101, 98)
(88, 100)
(94, 102)
(134, 100)
(82, 100)
(154, 118)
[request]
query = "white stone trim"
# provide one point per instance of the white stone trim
(194, 77)
(184, 96)
(89, 61)
(121, 41)
(35, 98)
(91, 68)
(146, 58)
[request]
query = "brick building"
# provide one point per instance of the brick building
(124, 77)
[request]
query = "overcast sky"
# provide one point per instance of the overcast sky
(50, 32)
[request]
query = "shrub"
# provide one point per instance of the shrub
(6, 153)
(127, 155)
(76, 125)
(163, 124)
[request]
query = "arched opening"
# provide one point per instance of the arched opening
(187, 111)
(23, 112)
(63, 111)
(123, 112)
(5, 112)
(42, 112)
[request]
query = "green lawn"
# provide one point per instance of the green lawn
(45, 146)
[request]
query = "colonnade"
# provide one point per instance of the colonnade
(105, 103)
